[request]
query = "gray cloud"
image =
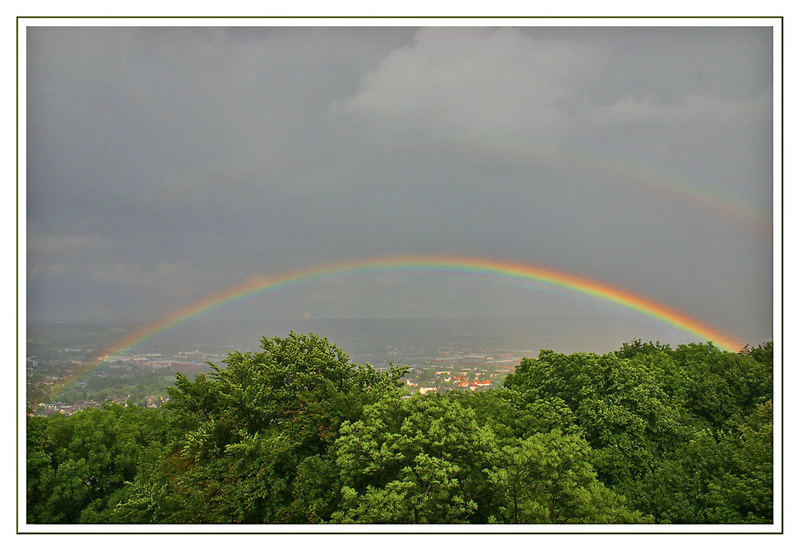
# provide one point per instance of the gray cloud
(165, 164)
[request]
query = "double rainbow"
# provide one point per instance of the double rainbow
(459, 264)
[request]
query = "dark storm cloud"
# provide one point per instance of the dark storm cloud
(164, 164)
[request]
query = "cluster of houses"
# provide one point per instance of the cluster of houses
(463, 382)
(444, 381)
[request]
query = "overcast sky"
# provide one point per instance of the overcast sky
(167, 164)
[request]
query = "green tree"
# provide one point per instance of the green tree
(619, 404)
(743, 492)
(245, 435)
(718, 476)
(78, 466)
(721, 385)
(426, 490)
(548, 479)
(762, 353)
(511, 417)
(423, 458)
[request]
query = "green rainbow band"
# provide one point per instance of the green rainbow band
(461, 264)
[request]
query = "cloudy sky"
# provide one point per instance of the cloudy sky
(167, 164)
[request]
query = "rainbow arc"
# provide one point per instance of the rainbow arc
(439, 263)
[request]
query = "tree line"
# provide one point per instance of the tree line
(297, 433)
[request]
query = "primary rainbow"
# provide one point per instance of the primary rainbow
(459, 264)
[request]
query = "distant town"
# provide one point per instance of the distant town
(462, 369)
(139, 379)
(142, 378)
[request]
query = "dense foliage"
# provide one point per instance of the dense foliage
(78, 467)
(297, 433)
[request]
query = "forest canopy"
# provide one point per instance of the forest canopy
(297, 433)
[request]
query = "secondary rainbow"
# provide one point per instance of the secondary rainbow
(458, 264)
(636, 177)
(658, 182)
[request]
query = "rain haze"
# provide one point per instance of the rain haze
(168, 164)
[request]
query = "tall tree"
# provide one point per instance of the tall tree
(78, 466)
(548, 479)
(246, 433)
(620, 405)
(424, 458)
